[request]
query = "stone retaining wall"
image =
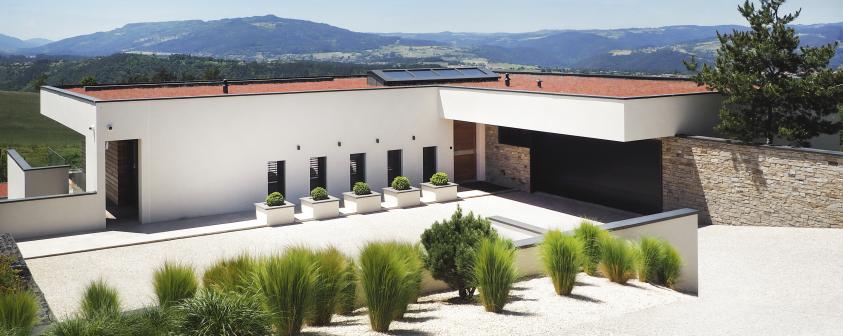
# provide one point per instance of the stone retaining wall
(736, 184)
(506, 165)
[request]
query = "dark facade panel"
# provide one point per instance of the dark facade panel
(401, 77)
(622, 175)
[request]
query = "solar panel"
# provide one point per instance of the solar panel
(395, 77)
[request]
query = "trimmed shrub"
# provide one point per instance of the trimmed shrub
(18, 312)
(649, 261)
(495, 272)
(216, 313)
(562, 256)
(274, 199)
(400, 183)
(617, 259)
(230, 275)
(348, 299)
(100, 300)
(174, 283)
(383, 274)
(10, 280)
(361, 188)
(286, 285)
(450, 246)
(439, 179)
(590, 235)
(319, 194)
(411, 256)
(331, 266)
(671, 265)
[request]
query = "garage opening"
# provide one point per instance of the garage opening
(622, 175)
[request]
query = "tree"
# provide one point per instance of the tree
(88, 80)
(36, 83)
(773, 87)
(450, 247)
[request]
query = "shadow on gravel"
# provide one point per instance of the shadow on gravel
(516, 313)
(419, 319)
(407, 332)
(584, 298)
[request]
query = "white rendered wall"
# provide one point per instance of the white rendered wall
(205, 156)
(16, 179)
(579, 116)
(43, 216)
(82, 118)
(661, 117)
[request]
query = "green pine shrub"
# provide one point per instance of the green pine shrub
(286, 285)
(274, 199)
(100, 300)
(361, 188)
(590, 235)
(230, 275)
(174, 283)
(400, 183)
(319, 194)
(450, 247)
(671, 265)
(494, 271)
(18, 312)
(10, 280)
(331, 267)
(562, 256)
(348, 299)
(617, 259)
(439, 179)
(384, 275)
(217, 313)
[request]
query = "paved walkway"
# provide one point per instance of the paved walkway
(129, 268)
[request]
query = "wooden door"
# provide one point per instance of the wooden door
(465, 155)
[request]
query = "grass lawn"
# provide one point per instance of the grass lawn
(23, 128)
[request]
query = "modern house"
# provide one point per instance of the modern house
(168, 151)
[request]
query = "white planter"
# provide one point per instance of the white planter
(434, 193)
(402, 198)
(275, 215)
(361, 203)
(323, 209)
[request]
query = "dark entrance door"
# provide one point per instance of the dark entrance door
(623, 175)
(121, 179)
(465, 156)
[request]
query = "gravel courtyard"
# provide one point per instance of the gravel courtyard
(753, 280)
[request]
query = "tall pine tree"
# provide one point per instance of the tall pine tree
(773, 88)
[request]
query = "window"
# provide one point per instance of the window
(428, 162)
(515, 137)
(317, 172)
(393, 165)
(357, 165)
(275, 179)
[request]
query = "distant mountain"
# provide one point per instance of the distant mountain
(9, 44)
(631, 50)
(264, 36)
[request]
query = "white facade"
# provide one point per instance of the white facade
(203, 156)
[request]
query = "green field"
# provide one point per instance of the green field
(23, 128)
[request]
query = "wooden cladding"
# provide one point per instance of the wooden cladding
(465, 147)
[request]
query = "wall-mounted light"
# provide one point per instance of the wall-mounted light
(452, 147)
(109, 126)
(377, 140)
(339, 143)
(414, 137)
(298, 147)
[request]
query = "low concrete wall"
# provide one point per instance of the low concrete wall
(51, 215)
(679, 228)
(27, 181)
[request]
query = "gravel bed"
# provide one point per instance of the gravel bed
(535, 309)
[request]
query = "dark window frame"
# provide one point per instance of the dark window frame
(394, 167)
(357, 169)
(318, 175)
(427, 171)
(276, 177)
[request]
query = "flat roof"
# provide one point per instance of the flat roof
(564, 84)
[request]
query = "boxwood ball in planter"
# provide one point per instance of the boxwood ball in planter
(361, 199)
(275, 210)
(320, 205)
(439, 189)
(401, 194)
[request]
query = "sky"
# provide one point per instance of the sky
(57, 19)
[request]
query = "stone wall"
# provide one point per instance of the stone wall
(506, 165)
(735, 184)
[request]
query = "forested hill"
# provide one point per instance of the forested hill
(24, 73)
